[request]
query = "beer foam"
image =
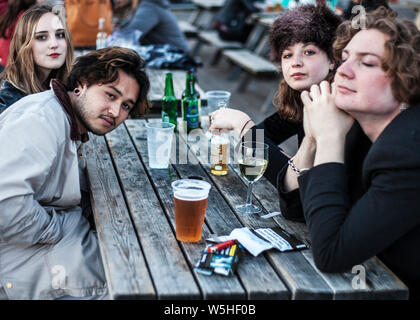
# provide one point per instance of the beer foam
(190, 189)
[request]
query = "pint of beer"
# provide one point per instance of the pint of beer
(219, 154)
(190, 201)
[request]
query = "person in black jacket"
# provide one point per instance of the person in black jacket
(301, 43)
(378, 85)
(230, 21)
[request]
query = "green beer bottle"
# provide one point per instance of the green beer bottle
(190, 111)
(169, 103)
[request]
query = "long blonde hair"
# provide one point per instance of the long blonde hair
(21, 70)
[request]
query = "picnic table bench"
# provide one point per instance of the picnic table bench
(202, 16)
(134, 216)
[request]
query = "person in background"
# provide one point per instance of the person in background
(40, 51)
(3, 6)
(231, 20)
(369, 5)
(301, 43)
(157, 24)
(377, 85)
(8, 21)
(48, 249)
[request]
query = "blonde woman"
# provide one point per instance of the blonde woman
(40, 51)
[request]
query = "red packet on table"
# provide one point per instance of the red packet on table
(223, 261)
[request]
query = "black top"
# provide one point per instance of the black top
(276, 131)
(385, 220)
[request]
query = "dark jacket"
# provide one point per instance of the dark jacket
(276, 131)
(9, 95)
(385, 220)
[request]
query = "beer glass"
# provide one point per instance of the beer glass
(252, 161)
(219, 154)
(190, 201)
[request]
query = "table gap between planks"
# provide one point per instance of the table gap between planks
(134, 217)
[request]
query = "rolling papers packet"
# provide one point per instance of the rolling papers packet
(280, 239)
(222, 262)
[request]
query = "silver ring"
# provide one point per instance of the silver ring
(211, 119)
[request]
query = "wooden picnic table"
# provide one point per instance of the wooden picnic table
(134, 216)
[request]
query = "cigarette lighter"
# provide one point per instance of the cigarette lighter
(220, 246)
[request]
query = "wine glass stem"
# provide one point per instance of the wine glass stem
(249, 194)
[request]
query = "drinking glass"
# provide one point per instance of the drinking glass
(252, 161)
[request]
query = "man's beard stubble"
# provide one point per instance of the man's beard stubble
(82, 113)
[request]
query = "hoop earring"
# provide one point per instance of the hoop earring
(403, 106)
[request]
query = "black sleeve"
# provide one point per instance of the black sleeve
(275, 131)
(290, 204)
(278, 130)
(344, 234)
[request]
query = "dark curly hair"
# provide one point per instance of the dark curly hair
(402, 50)
(102, 66)
(307, 24)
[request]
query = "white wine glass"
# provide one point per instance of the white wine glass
(252, 162)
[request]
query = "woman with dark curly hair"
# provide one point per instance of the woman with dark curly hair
(301, 44)
(378, 85)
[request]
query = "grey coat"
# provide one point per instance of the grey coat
(157, 24)
(47, 247)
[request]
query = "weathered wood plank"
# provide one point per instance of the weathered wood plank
(124, 264)
(188, 29)
(171, 274)
(212, 38)
(251, 62)
(216, 286)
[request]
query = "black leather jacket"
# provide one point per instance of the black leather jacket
(9, 95)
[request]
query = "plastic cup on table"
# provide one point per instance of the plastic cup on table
(159, 142)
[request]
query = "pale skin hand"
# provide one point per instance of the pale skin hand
(326, 123)
(230, 119)
(304, 158)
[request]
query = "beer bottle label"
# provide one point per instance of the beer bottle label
(192, 116)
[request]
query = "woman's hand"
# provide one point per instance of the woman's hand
(322, 119)
(229, 119)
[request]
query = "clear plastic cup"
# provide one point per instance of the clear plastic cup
(217, 99)
(159, 142)
(190, 202)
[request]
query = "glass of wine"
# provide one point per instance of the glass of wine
(252, 161)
